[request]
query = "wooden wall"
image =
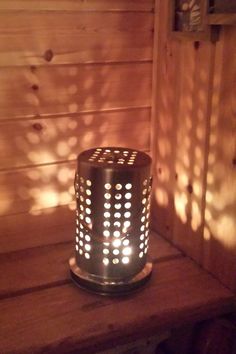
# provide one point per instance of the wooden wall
(194, 202)
(74, 75)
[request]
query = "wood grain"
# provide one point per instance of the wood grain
(220, 221)
(192, 139)
(72, 88)
(33, 189)
(42, 227)
(48, 38)
(45, 266)
(49, 140)
(179, 292)
(164, 122)
(80, 5)
(222, 19)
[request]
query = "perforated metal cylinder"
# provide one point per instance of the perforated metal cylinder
(112, 224)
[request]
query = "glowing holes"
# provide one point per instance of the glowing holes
(144, 201)
(80, 252)
(142, 228)
(88, 201)
(126, 251)
(117, 215)
(87, 247)
(115, 261)
(107, 205)
(105, 261)
(116, 151)
(128, 205)
(81, 234)
(141, 255)
(116, 243)
(145, 182)
(88, 211)
(117, 224)
(87, 255)
(128, 195)
(87, 238)
(105, 251)
(141, 245)
(116, 252)
(89, 183)
(77, 239)
(106, 224)
(125, 260)
(76, 247)
(126, 242)
(107, 195)
(127, 224)
(127, 214)
(117, 206)
(128, 186)
(118, 196)
(142, 237)
(116, 233)
(88, 192)
(88, 220)
(143, 218)
(81, 198)
(106, 233)
(108, 186)
(118, 186)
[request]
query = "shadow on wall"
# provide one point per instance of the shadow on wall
(194, 189)
(61, 110)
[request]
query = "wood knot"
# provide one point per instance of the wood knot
(48, 55)
(190, 188)
(35, 87)
(37, 126)
(33, 68)
(196, 45)
(234, 161)
(159, 170)
(176, 176)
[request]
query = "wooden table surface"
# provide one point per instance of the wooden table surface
(42, 311)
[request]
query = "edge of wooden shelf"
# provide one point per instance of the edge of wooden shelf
(221, 19)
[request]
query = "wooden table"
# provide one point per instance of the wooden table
(42, 311)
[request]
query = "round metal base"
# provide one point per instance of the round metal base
(105, 286)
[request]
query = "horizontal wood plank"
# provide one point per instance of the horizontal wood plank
(178, 292)
(33, 189)
(222, 19)
(33, 92)
(73, 37)
(42, 227)
(37, 141)
(79, 5)
(40, 267)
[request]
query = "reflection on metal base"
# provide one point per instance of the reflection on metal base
(105, 286)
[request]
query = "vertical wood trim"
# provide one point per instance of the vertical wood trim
(153, 139)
